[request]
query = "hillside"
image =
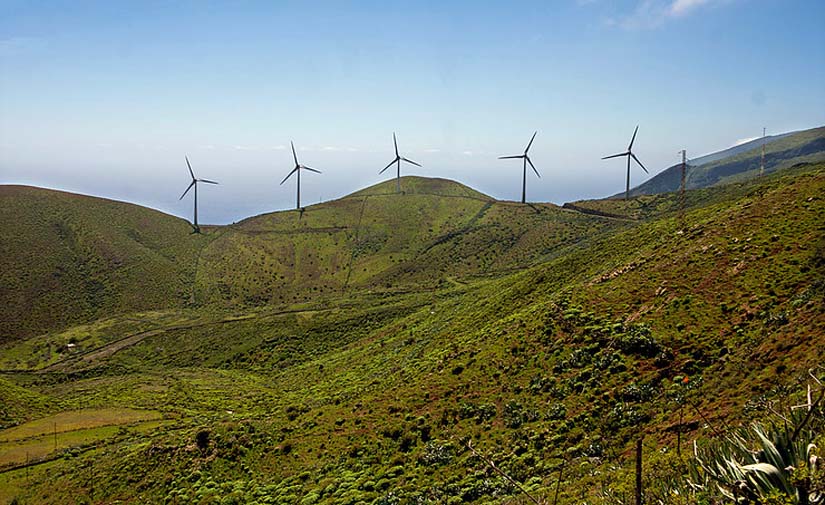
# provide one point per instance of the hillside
(551, 357)
(740, 162)
(104, 258)
(737, 149)
(67, 258)
(436, 231)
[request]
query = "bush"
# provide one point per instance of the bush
(202, 439)
(436, 454)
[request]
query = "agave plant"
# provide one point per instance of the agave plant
(754, 464)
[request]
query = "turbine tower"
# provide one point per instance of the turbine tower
(398, 159)
(526, 160)
(194, 184)
(629, 154)
(297, 170)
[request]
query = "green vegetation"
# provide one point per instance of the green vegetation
(740, 163)
(67, 259)
(353, 353)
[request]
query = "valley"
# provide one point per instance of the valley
(350, 353)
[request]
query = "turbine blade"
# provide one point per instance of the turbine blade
(190, 168)
(511, 157)
(634, 138)
(188, 188)
(207, 181)
(614, 156)
(531, 141)
(411, 161)
(388, 166)
(532, 166)
(289, 175)
(310, 169)
(395, 143)
(294, 156)
(639, 162)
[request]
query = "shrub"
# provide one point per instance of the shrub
(513, 414)
(202, 439)
(436, 454)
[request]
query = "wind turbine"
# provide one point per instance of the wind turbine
(194, 184)
(398, 159)
(526, 159)
(297, 170)
(629, 154)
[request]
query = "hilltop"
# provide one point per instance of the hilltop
(413, 324)
(415, 185)
(436, 231)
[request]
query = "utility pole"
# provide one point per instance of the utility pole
(762, 168)
(682, 189)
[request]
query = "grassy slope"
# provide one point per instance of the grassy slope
(371, 397)
(67, 258)
(109, 258)
(740, 148)
(801, 147)
(436, 231)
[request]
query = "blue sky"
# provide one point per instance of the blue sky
(106, 98)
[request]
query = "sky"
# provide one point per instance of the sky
(106, 98)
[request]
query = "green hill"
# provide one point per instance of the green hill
(548, 339)
(436, 231)
(104, 258)
(66, 259)
(414, 185)
(740, 163)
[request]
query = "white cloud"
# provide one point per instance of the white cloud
(432, 150)
(654, 13)
(682, 7)
(743, 141)
(467, 153)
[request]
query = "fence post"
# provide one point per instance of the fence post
(639, 471)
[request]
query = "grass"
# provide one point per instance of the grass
(38, 448)
(68, 259)
(806, 146)
(75, 420)
(549, 338)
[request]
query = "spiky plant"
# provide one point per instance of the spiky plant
(761, 464)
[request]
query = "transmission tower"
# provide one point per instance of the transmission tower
(762, 167)
(683, 152)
